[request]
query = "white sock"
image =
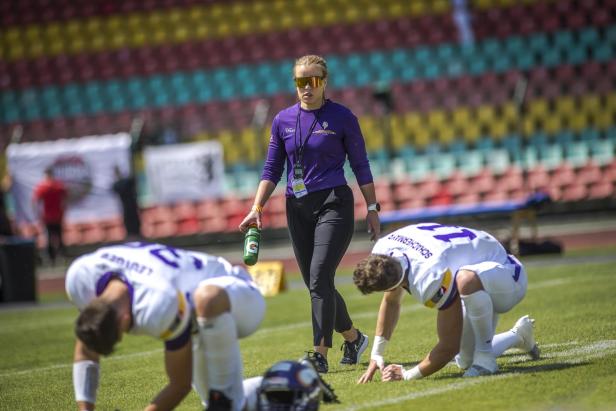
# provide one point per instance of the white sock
(199, 378)
(503, 341)
(480, 314)
(251, 387)
(464, 359)
(222, 356)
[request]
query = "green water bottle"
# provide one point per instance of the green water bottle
(251, 245)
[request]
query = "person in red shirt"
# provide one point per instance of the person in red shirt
(49, 204)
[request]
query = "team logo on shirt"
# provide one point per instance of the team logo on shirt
(324, 130)
(75, 173)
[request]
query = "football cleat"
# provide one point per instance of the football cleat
(524, 329)
(317, 360)
(354, 350)
(477, 371)
(218, 402)
(484, 363)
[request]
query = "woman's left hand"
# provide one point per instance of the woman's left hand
(374, 225)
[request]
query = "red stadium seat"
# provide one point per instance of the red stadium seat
(186, 218)
(600, 190)
(574, 192)
(211, 216)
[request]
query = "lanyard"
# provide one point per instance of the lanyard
(299, 150)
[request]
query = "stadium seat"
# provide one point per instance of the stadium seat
(186, 219)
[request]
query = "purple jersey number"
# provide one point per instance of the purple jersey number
(459, 233)
(166, 254)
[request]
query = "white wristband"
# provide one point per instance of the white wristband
(378, 348)
(85, 380)
(412, 374)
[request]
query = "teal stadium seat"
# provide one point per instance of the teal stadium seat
(443, 165)
(51, 102)
(564, 138)
(472, 163)
(116, 96)
(588, 37)
(551, 156)
(577, 153)
(419, 168)
(519, 57)
(602, 151)
(10, 106)
(513, 144)
(180, 92)
(93, 94)
(137, 95)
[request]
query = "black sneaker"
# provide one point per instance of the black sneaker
(218, 402)
(354, 350)
(317, 360)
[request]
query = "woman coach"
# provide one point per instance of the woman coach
(313, 138)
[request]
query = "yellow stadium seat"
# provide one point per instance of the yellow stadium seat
(498, 128)
(552, 123)
(538, 109)
(529, 126)
(446, 135)
(485, 115)
(577, 121)
(591, 104)
(396, 131)
(76, 38)
(461, 117)
(471, 131)
(373, 11)
(418, 8)
(439, 6)
(421, 137)
(565, 105)
(248, 139)
(53, 32)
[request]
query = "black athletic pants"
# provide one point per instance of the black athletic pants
(55, 242)
(321, 227)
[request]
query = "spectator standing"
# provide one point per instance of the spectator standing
(49, 202)
(313, 138)
(126, 189)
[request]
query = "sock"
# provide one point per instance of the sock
(503, 341)
(251, 388)
(222, 356)
(199, 377)
(464, 359)
(480, 313)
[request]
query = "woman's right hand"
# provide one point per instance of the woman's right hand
(252, 218)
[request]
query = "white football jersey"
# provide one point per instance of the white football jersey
(431, 254)
(160, 278)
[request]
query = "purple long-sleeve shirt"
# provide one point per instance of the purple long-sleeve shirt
(336, 134)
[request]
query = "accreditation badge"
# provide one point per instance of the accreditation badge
(299, 188)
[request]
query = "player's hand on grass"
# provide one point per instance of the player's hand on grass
(369, 374)
(393, 372)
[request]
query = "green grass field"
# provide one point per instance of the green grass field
(572, 301)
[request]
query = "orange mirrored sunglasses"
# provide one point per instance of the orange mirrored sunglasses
(314, 81)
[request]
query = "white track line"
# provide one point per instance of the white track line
(260, 333)
(67, 365)
(35, 325)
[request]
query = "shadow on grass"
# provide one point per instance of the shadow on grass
(512, 369)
